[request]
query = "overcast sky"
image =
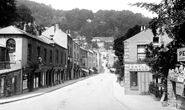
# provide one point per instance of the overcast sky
(96, 5)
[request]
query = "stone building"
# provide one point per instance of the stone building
(137, 73)
(32, 62)
(76, 60)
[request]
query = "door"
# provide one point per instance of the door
(145, 80)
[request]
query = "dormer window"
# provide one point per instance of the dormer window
(155, 40)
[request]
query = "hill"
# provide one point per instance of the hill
(103, 23)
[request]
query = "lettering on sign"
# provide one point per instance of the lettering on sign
(139, 67)
(181, 54)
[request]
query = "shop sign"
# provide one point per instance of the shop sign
(179, 88)
(181, 54)
(138, 67)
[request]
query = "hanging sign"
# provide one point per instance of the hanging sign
(181, 54)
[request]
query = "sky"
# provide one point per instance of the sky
(96, 5)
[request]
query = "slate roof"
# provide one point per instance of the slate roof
(14, 30)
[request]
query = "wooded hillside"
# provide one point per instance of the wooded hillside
(85, 22)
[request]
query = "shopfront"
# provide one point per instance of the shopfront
(10, 83)
(176, 82)
(137, 78)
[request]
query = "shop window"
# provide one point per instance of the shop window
(29, 52)
(10, 44)
(2, 82)
(141, 52)
(133, 80)
(25, 81)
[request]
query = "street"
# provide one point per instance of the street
(94, 93)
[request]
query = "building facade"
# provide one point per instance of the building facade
(84, 62)
(111, 58)
(76, 60)
(137, 73)
(32, 62)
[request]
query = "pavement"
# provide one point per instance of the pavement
(137, 102)
(131, 102)
(40, 91)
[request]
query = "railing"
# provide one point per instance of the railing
(155, 90)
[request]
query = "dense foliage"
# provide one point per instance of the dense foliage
(85, 22)
(118, 43)
(119, 49)
(170, 20)
(7, 12)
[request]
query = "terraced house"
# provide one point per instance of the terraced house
(30, 62)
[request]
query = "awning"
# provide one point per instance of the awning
(85, 70)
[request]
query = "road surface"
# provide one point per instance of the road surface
(94, 93)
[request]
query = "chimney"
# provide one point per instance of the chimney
(144, 28)
(56, 27)
(141, 28)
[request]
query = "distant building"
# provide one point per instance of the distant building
(111, 58)
(102, 40)
(76, 60)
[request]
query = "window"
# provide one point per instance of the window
(29, 52)
(51, 56)
(45, 55)
(71, 52)
(74, 56)
(77, 56)
(38, 51)
(65, 58)
(141, 52)
(133, 81)
(10, 44)
(155, 39)
(61, 57)
(57, 56)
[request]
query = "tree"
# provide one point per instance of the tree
(7, 12)
(24, 14)
(118, 43)
(170, 20)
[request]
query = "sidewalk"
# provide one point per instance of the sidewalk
(41, 91)
(137, 102)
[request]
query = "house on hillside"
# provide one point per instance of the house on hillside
(137, 73)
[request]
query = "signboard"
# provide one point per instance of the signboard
(179, 88)
(138, 67)
(181, 54)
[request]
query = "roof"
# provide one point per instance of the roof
(46, 39)
(1, 45)
(147, 36)
(15, 30)
(58, 36)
